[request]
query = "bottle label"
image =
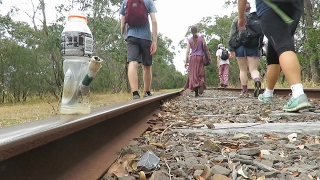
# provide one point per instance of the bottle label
(76, 43)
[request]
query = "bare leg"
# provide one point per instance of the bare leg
(253, 63)
(290, 67)
(273, 73)
(147, 77)
(242, 62)
(133, 76)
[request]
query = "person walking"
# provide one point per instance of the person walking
(141, 45)
(246, 56)
(196, 76)
(223, 65)
(281, 51)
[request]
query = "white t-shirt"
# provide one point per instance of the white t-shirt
(219, 53)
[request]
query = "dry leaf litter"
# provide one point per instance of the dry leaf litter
(219, 136)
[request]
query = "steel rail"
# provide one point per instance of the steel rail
(74, 146)
(312, 93)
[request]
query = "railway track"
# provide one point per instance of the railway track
(81, 146)
(312, 93)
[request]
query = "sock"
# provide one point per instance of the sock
(256, 79)
(135, 93)
(268, 93)
(148, 92)
(297, 90)
(244, 88)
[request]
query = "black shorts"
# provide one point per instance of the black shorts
(139, 50)
(278, 32)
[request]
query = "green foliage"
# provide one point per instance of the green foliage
(216, 30)
(31, 62)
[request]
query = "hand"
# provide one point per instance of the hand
(241, 23)
(233, 54)
(153, 48)
(186, 65)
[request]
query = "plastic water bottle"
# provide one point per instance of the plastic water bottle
(77, 49)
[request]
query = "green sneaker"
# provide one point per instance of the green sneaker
(264, 99)
(296, 104)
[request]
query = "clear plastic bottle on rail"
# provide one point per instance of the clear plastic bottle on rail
(77, 49)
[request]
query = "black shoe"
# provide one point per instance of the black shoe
(196, 93)
(147, 94)
(136, 97)
(257, 88)
(222, 86)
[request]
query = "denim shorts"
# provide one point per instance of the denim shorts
(242, 51)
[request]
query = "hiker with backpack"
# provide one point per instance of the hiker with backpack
(223, 65)
(245, 46)
(141, 43)
(281, 54)
(196, 76)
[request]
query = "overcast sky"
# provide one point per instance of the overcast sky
(174, 17)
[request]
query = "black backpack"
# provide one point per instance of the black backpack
(252, 36)
(224, 54)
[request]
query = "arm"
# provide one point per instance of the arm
(203, 40)
(187, 55)
(233, 31)
(218, 58)
(123, 20)
(153, 47)
(218, 61)
(123, 31)
(241, 10)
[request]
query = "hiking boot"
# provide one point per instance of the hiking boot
(146, 94)
(257, 88)
(136, 97)
(244, 94)
(296, 104)
(264, 99)
(201, 88)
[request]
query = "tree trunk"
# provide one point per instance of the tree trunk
(314, 61)
(127, 79)
(56, 66)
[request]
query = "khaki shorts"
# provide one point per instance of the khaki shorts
(139, 50)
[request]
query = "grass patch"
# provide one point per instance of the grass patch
(36, 109)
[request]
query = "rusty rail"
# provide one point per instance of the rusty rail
(74, 146)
